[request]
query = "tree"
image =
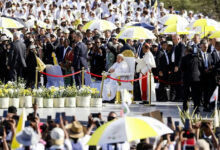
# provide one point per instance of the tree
(210, 8)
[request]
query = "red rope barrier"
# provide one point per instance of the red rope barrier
(165, 82)
(60, 76)
(99, 76)
(95, 75)
(155, 77)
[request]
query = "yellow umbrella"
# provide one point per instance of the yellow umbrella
(174, 29)
(128, 129)
(101, 25)
(10, 23)
(215, 35)
(135, 33)
(173, 19)
(204, 26)
(6, 32)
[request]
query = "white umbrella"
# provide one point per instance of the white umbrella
(128, 129)
(135, 33)
(10, 23)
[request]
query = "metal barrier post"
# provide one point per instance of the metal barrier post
(102, 84)
(83, 71)
(36, 77)
(149, 104)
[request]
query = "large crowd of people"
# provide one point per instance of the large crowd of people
(59, 134)
(180, 61)
(185, 68)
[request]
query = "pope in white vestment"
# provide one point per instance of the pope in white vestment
(144, 67)
(117, 69)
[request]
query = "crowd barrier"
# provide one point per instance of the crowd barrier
(100, 76)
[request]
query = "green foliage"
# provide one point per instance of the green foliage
(210, 8)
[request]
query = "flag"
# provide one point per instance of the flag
(40, 65)
(214, 95)
(54, 58)
(155, 6)
(20, 127)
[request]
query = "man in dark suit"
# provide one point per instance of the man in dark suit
(17, 60)
(80, 57)
(176, 56)
(164, 71)
(4, 51)
(206, 74)
(62, 51)
(50, 46)
(211, 47)
(128, 46)
(191, 66)
(138, 48)
(196, 43)
(88, 36)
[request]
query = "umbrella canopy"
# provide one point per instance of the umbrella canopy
(135, 33)
(101, 25)
(128, 129)
(205, 25)
(174, 29)
(7, 33)
(215, 35)
(19, 20)
(173, 19)
(10, 23)
(144, 25)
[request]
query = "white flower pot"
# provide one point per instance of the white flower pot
(21, 102)
(70, 102)
(83, 101)
(48, 103)
(96, 102)
(4, 102)
(59, 102)
(14, 102)
(27, 101)
(39, 101)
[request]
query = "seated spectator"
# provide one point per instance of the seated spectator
(110, 86)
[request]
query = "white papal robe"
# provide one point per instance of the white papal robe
(110, 86)
(144, 66)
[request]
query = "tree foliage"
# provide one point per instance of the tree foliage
(210, 8)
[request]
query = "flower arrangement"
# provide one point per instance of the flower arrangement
(25, 92)
(95, 93)
(38, 92)
(49, 92)
(84, 91)
(70, 91)
(59, 92)
(4, 93)
(14, 93)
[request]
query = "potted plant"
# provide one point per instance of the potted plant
(14, 95)
(38, 96)
(4, 98)
(48, 95)
(96, 101)
(84, 97)
(26, 98)
(59, 100)
(70, 94)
